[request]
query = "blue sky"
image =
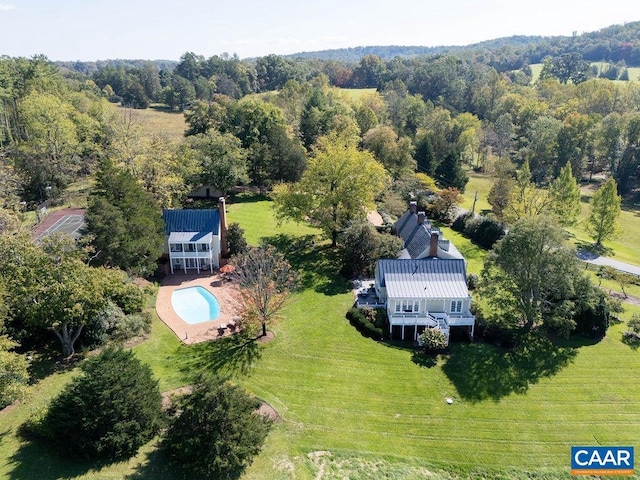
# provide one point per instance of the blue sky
(165, 29)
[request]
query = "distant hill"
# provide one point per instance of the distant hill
(616, 43)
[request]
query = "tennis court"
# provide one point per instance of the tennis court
(69, 221)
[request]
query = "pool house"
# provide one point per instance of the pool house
(194, 239)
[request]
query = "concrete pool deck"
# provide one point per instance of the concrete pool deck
(228, 297)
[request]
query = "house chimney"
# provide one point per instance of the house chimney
(433, 244)
(413, 207)
(421, 217)
(224, 246)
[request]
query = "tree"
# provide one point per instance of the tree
(265, 279)
(222, 158)
(363, 246)
(109, 411)
(449, 173)
(565, 197)
(525, 198)
(14, 373)
(125, 222)
(530, 276)
(217, 431)
(393, 152)
(602, 223)
(444, 206)
(235, 238)
(424, 156)
(52, 288)
(338, 186)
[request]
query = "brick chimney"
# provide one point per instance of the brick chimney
(224, 246)
(421, 217)
(433, 244)
(413, 207)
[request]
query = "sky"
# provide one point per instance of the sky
(165, 29)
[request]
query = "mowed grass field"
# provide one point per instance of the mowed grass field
(623, 247)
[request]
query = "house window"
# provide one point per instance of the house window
(456, 306)
(176, 247)
(416, 306)
(203, 247)
(397, 306)
(191, 247)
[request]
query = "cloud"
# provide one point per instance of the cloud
(5, 7)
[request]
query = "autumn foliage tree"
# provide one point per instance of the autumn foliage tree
(265, 279)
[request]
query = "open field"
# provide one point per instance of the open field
(536, 68)
(159, 122)
(356, 93)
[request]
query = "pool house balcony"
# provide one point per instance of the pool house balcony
(188, 252)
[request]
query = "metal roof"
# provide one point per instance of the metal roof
(191, 221)
(424, 278)
(190, 237)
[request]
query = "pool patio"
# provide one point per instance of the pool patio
(226, 292)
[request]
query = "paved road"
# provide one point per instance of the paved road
(590, 257)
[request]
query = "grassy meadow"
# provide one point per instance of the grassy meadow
(158, 121)
(634, 72)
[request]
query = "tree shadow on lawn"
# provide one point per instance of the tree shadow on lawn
(233, 355)
(481, 371)
(318, 266)
(33, 460)
(158, 467)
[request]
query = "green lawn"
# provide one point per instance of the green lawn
(356, 408)
(481, 184)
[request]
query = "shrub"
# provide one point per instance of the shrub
(217, 431)
(108, 412)
(235, 237)
(14, 372)
(461, 220)
(433, 339)
(472, 281)
(365, 322)
(130, 326)
(633, 328)
(483, 230)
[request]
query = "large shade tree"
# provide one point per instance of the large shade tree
(52, 288)
(338, 186)
(531, 276)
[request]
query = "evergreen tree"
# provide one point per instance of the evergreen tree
(565, 197)
(109, 412)
(218, 430)
(602, 223)
(125, 222)
(450, 172)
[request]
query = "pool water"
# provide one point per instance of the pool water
(195, 305)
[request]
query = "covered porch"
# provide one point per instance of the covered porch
(191, 251)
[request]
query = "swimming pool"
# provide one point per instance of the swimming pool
(195, 304)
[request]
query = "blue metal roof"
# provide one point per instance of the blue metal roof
(195, 221)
